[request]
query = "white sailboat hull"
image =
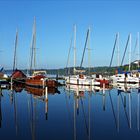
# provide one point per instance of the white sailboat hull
(120, 78)
(75, 80)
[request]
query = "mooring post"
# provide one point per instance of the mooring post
(43, 83)
(11, 83)
(46, 109)
(46, 93)
(103, 88)
(69, 79)
(46, 102)
(77, 93)
(0, 91)
(104, 96)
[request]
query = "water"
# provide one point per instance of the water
(94, 115)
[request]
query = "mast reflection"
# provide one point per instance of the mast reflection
(82, 94)
(0, 109)
(125, 92)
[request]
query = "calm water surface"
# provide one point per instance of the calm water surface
(69, 114)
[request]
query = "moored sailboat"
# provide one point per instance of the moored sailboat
(37, 78)
(3, 79)
(127, 76)
(17, 75)
(80, 79)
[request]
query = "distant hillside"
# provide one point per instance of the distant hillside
(100, 70)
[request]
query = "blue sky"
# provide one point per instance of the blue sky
(54, 28)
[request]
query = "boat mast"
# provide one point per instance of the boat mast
(129, 36)
(85, 47)
(34, 43)
(118, 51)
(116, 39)
(33, 48)
(138, 48)
(74, 49)
(15, 51)
(130, 53)
(89, 50)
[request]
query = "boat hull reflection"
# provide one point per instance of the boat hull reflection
(41, 91)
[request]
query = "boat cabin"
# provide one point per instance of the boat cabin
(35, 73)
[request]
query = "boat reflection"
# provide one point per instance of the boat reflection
(80, 90)
(41, 91)
(126, 87)
(125, 97)
(35, 95)
(79, 101)
(82, 96)
(0, 108)
(16, 87)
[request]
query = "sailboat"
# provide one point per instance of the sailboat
(80, 79)
(125, 77)
(17, 76)
(3, 79)
(37, 78)
(136, 73)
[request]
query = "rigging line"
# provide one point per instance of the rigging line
(113, 50)
(135, 50)
(125, 49)
(84, 48)
(84, 116)
(125, 110)
(113, 109)
(69, 52)
(136, 43)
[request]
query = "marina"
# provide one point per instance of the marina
(69, 70)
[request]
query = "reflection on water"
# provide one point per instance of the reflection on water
(0, 109)
(71, 112)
